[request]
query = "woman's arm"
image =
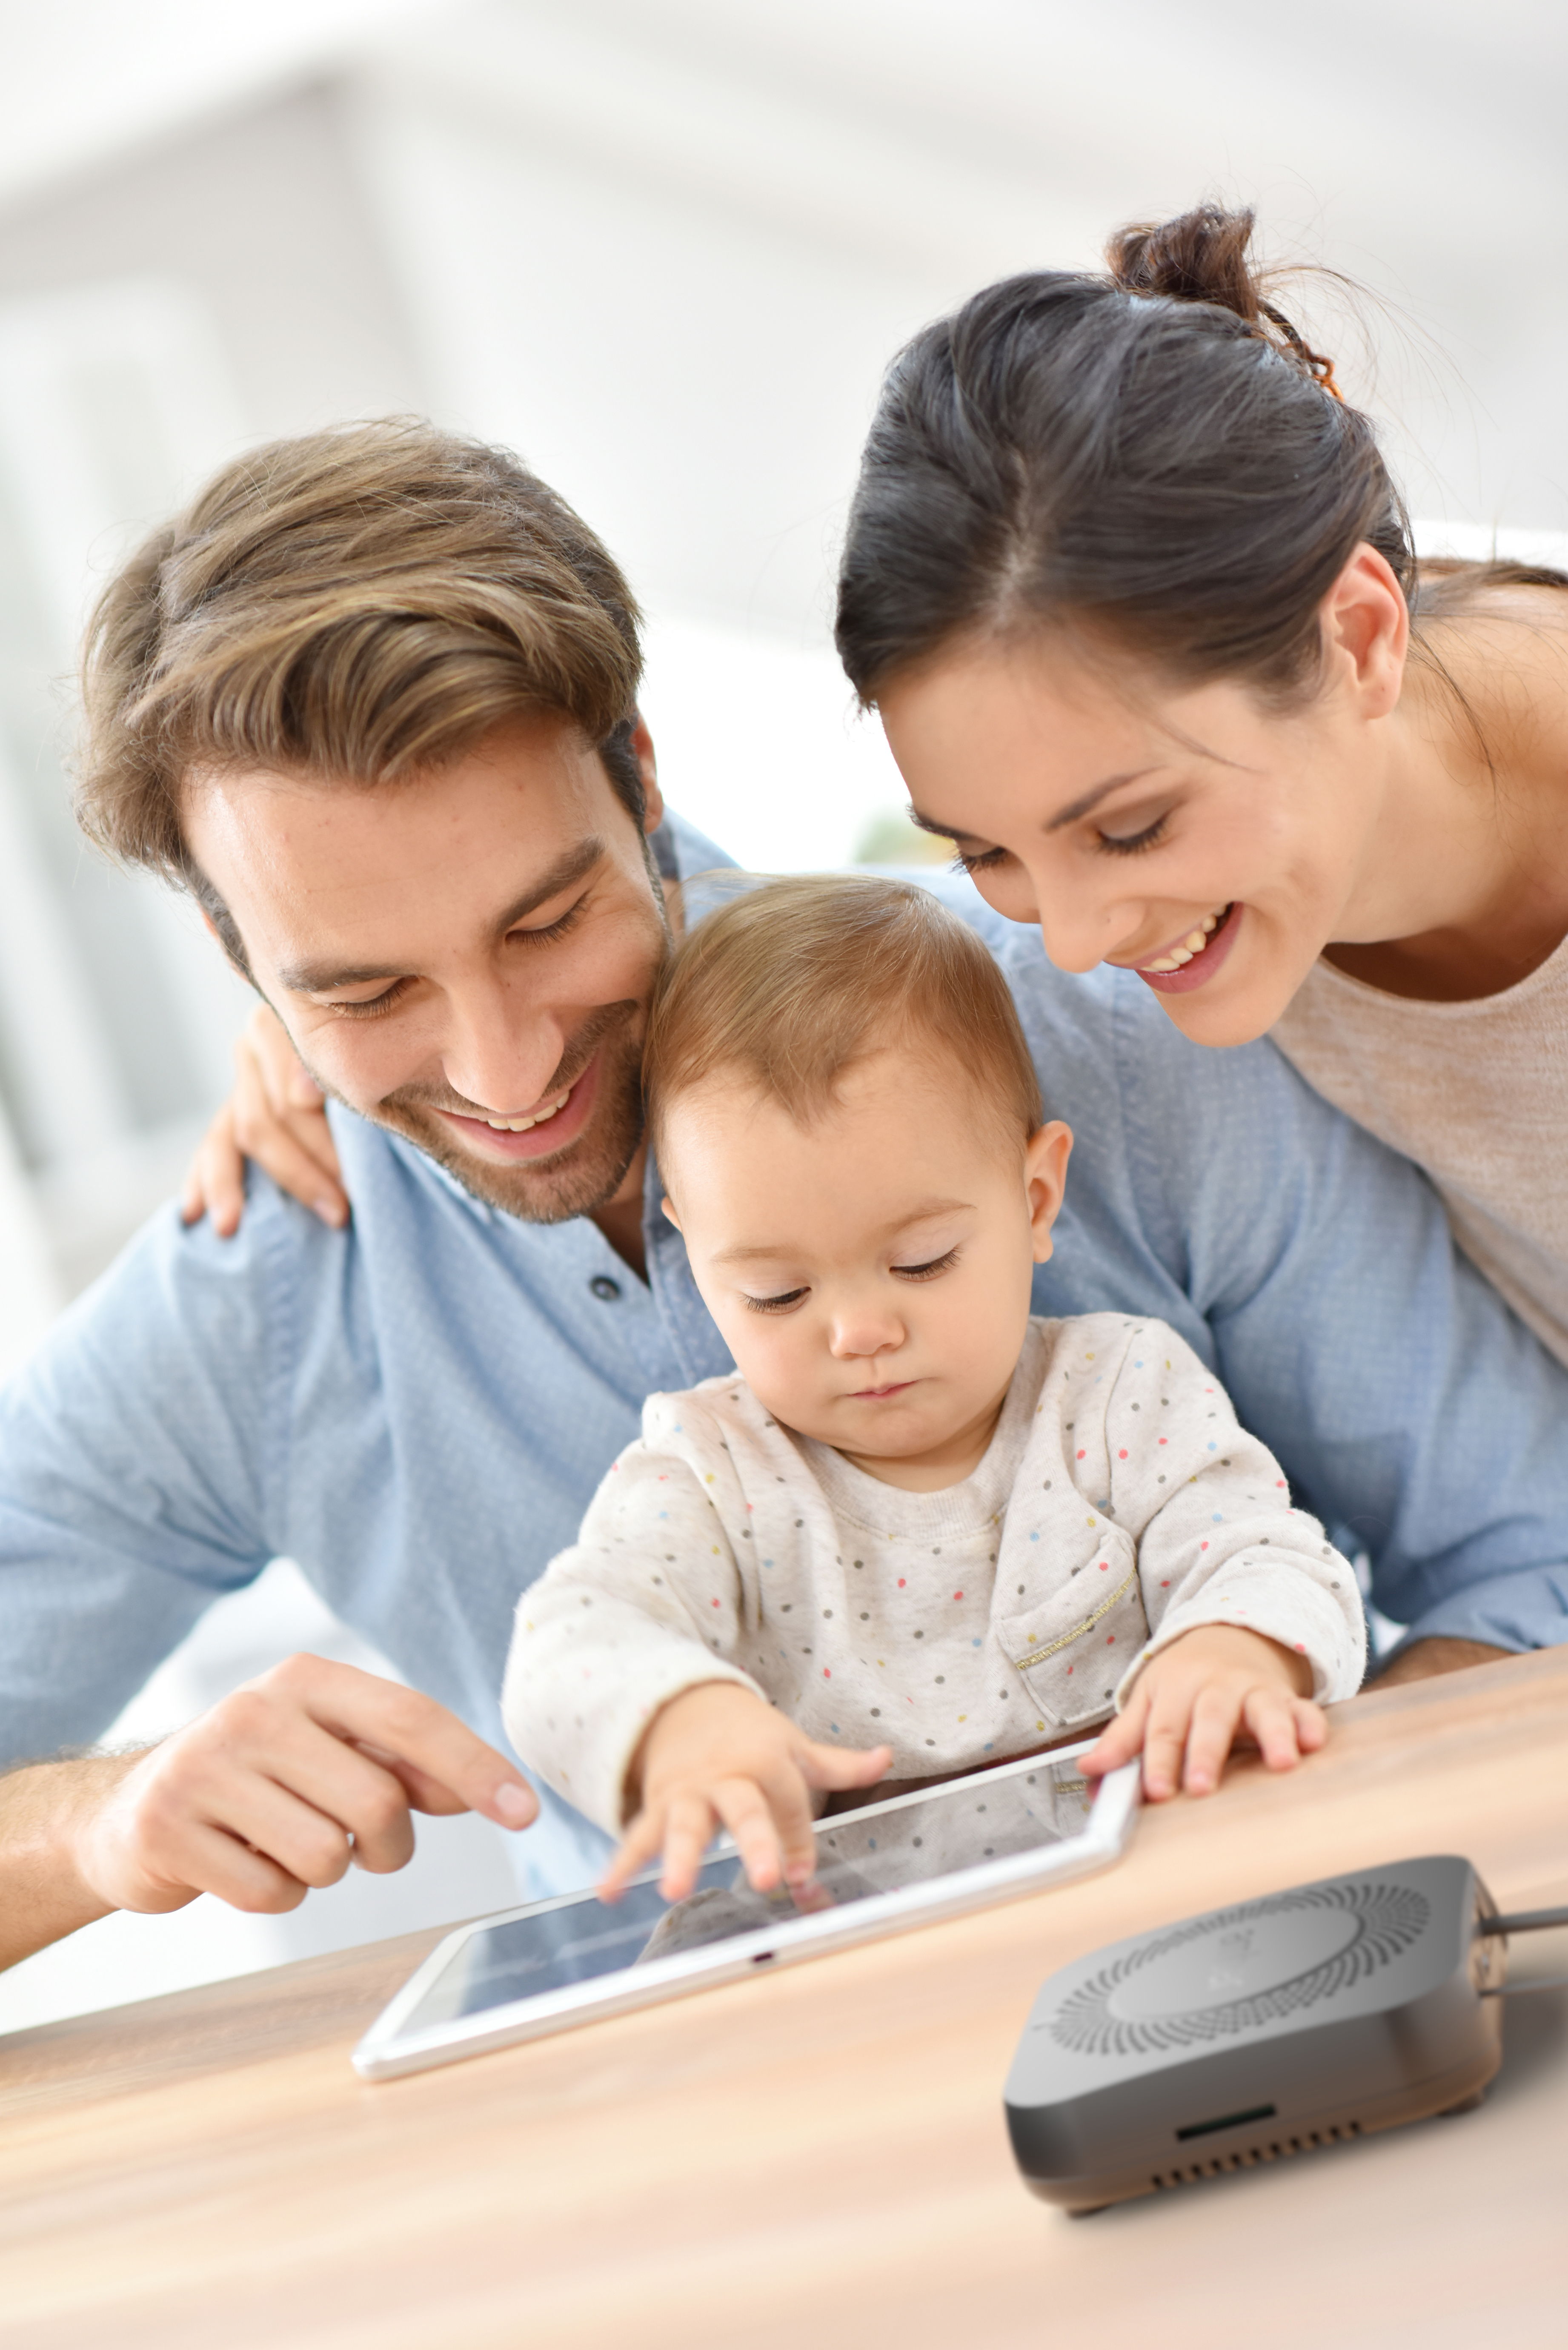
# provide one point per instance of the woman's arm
(276, 1115)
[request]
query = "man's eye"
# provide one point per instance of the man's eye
(943, 1263)
(371, 1007)
(779, 1304)
(555, 930)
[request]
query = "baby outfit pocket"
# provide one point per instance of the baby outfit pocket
(1073, 1648)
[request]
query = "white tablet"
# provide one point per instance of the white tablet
(902, 1862)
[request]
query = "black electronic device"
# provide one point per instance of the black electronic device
(1261, 2031)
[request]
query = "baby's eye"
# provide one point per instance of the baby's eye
(779, 1304)
(925, 1271)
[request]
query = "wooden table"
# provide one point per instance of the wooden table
(814, 2159)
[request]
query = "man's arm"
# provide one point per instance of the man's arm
(1411, 1408)
(1418, 1660)
(308, 1772)
(145, 1469)
(1314, 1269)
(43, 1894)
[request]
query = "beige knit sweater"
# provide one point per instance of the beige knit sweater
(1476, 1094)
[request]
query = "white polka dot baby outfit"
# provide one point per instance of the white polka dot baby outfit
(1117, 1505)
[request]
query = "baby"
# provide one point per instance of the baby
(917, 1532)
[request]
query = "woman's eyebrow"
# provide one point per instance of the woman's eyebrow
(1091, 799)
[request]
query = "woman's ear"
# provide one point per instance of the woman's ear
(1366, 624)
(1045, 1157)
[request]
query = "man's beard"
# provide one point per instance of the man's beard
(590, 1170)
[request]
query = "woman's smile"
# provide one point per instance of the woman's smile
(1177, 971)
(1181, 950)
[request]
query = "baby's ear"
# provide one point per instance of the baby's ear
(1045, 1158)
(667, 1205)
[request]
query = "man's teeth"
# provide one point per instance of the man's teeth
(1193, 943)
(521, 1125)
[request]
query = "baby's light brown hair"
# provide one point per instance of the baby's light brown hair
(790, 985)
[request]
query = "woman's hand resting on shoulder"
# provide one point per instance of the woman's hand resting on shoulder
(1214, 1688)
(717, 1756)
(277, 1117)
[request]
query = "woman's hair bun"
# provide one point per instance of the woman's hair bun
(1152, 451)
(1200, 257)
(1203, 256)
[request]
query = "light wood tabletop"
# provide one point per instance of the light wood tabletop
(814, 2156)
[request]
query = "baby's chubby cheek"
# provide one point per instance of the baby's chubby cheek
(789, 1382)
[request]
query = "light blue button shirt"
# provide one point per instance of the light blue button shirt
(419, 1409)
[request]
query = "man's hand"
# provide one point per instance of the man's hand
(718, 1756)
(310, 1769)
(1194, 1700)
(276, 1115)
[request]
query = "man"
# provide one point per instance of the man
(372, 700)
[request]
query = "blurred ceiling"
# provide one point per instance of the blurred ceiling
(925, 121)
(85, 81)
(1415, 147)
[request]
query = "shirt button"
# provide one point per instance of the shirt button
(603, 1286)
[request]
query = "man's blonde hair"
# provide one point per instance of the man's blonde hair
(789, 986)
(357, 605)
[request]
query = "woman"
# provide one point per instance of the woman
(1133, 594)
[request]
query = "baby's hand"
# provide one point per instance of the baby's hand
(716, 1756)
(1196, 1696)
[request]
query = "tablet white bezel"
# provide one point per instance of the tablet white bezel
(387, 2050)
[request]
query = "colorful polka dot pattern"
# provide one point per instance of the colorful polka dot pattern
(1119, 1504)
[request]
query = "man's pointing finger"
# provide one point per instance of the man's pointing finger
(443, 1765)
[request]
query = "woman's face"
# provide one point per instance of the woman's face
(1198, 836)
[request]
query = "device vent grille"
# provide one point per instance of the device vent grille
(1389, 1917)
(1188, 2174)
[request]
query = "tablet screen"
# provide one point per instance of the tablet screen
(905, 1842)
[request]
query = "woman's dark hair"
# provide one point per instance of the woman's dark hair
(1155, 454)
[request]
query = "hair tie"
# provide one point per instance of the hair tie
(1320, 370)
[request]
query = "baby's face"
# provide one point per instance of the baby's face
(870, 1271)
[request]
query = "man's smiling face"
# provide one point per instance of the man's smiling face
(465, 956)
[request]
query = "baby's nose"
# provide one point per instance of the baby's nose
(866, 1333)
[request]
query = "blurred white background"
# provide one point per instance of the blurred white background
(663, 247)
